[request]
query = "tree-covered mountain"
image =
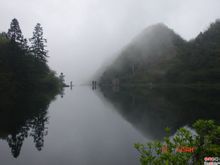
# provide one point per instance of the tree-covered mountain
(159, 55)
(199, 61)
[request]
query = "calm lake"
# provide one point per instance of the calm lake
(95, 127)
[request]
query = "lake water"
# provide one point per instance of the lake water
(82, 128)
(96, 127)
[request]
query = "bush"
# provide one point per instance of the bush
(185, 147)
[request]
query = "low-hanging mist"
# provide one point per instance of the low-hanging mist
(158, 55)
(82, 35)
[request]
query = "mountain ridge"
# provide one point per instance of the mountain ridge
(159, 55)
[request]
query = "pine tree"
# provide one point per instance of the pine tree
(38, 44)
(16, 36)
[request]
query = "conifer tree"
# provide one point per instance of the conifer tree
(16, 36)
(38, 44)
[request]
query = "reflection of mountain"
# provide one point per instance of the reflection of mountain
(21, 116)
(151, 110)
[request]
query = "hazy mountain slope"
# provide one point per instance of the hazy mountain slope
(159, 55)
(146, 57)
(199, 61)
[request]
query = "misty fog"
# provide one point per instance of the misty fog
(84, 35)
(109, 82)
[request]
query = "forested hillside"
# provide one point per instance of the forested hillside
(159, 55)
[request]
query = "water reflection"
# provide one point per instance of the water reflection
(24, 115)
(151, 110)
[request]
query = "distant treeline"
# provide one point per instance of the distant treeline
(23, 64)
(160, 56)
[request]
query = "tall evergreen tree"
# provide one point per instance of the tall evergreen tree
(15, 34)
(38, 44)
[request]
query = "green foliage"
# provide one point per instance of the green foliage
(27, 86)
(204, 142)
(3, 38)
(20, 70)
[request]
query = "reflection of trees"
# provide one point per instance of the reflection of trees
(39, 130)
(62, 93)
(151, 110)
(15, 141)
(26, 116)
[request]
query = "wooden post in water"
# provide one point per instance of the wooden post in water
(93, 85)
(71, 84)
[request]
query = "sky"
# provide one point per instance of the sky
(84, 34)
